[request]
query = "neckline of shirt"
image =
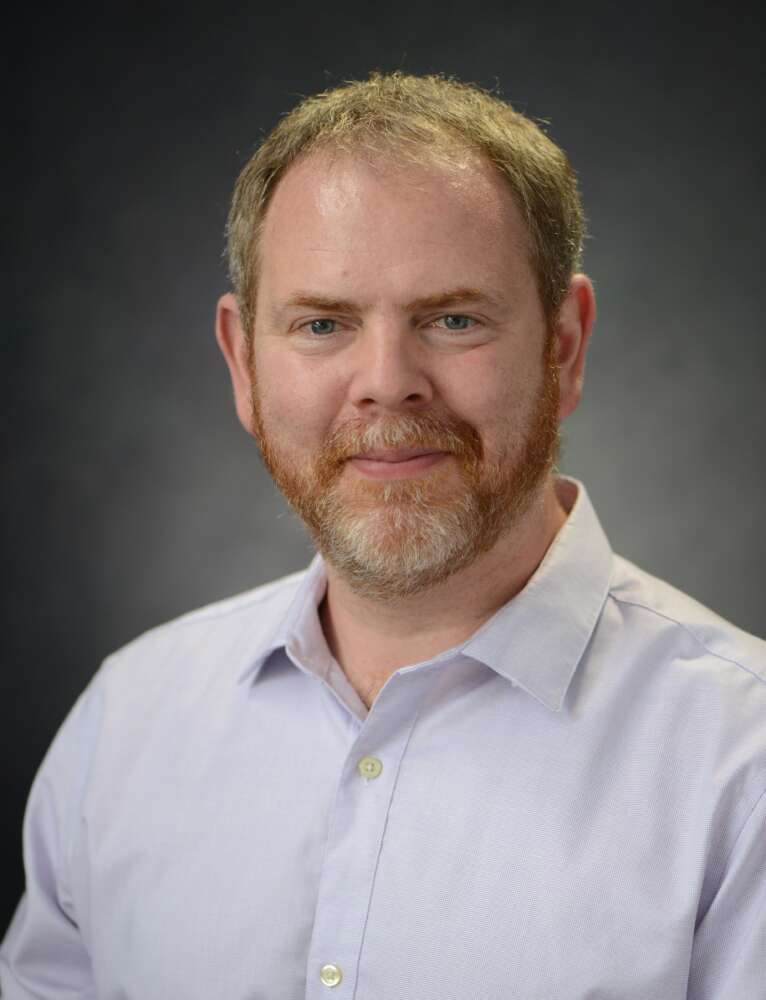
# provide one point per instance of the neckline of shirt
(535, 640)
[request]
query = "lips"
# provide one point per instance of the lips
(396, 463)
(395, 454)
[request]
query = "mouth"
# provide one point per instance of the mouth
(396, 463)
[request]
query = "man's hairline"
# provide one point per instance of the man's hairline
(336, 148)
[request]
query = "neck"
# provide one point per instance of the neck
(371, 639)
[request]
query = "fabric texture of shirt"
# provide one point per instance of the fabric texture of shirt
(567, 806)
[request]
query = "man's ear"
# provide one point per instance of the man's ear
(572, 331)
(236, 351)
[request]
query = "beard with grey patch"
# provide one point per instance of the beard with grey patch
(393, 539)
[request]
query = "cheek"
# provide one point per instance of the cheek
(499, 402)
(293, 415)
(488, 396)
(294, 402)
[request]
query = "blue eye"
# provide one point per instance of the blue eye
(322, 326)
(456, 321)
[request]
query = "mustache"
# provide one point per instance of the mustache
(435, 431)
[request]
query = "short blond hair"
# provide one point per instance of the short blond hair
(419, 117)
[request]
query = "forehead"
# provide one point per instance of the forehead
(380, 222)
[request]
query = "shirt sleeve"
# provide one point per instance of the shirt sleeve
(729, 953)
(43, 955)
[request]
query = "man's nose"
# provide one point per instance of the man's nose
(390, 371)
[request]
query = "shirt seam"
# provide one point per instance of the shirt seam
(216, 611)
(745, 822)
(729, 856)
(201, 615)
(698, 639)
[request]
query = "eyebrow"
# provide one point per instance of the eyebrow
(440, 300)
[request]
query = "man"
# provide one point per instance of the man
(470, 753)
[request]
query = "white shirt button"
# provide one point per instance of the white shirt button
(369, 767)
(330, 974)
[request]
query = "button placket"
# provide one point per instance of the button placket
(356, 835)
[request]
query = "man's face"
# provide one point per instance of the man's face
(404, 390)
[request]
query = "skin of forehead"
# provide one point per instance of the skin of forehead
(473, 180)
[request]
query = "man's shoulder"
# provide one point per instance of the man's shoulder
(662, 608)
(218, 637)
(268, 598)
(697, 683)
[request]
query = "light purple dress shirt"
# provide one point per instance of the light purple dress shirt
(568, 806)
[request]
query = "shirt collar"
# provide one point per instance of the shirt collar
(298, 626)
(536, 640)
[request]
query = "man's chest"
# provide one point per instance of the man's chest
(422, 858)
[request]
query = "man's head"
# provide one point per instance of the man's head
(401, 350)
(421, 119)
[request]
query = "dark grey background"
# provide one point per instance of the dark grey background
(132, 493)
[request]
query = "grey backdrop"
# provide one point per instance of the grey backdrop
(133, 495)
